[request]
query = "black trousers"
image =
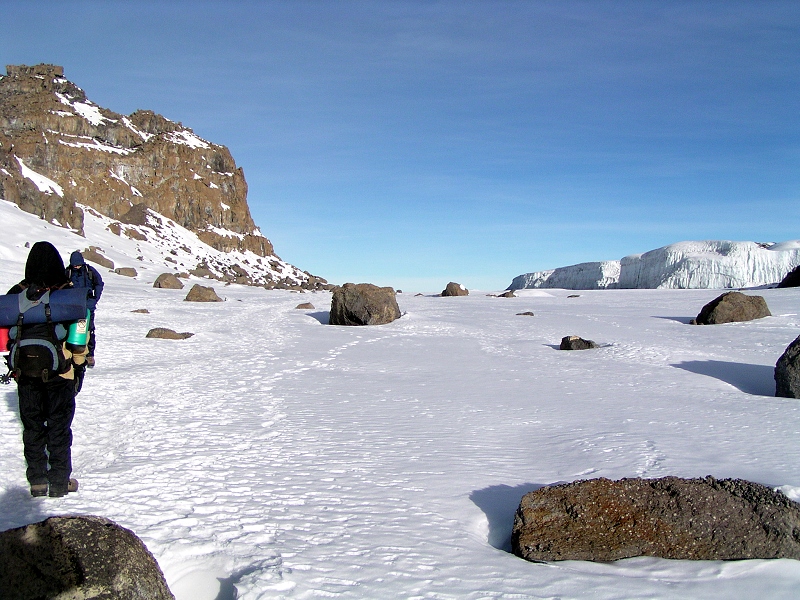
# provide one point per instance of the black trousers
(46, 411)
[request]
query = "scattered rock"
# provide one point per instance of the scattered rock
(167, 334)
(418, 294)
(168, 281)
(78, 557)
(455, 289)
(527, 313)
(670, 517)
(126, 271)
(201, 293)
(573, 342)
(508, 294)
(142, 311)
(574, 296)
(202, 272)
(363, 304)
(792, 279)
(305, 306)
(732, 307)
(787, 372)
(92, 254)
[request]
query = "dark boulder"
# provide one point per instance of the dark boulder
(527, 313)
(201, 293)
(787, 372)
(671, 517)
(792, 279)
(573, 342)
(455, 289)
(733, 307)
(167, 334)
(78, 557)
(168, 281)
(363, 304)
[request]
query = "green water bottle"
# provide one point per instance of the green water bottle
(78, 335)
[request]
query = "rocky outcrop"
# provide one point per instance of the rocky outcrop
(202, 293)
(455, 289)
(732, 307)
(792, 279)
(163, 333)
(168, 281)
(78, 557)
(671, 517)
(363, 304)
(60, 152)
(787, 372)
(574, 342)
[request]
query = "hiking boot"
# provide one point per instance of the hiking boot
(57, 491)
(38, 489)
(90, 362)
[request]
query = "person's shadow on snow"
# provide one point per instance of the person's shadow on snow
(18, 508)
(499, 503)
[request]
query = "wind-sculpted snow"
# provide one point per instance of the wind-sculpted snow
(271, 456)
(685, 265)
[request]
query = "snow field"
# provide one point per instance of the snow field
(271, 456)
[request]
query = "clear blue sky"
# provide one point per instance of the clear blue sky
(414, 143)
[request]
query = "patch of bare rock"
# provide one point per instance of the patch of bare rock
(78, 558)
(574, 342)
(787, 372)
(201, 293)
(305, 306)
(732, 307)
(455, 289)
(167, 334)
(168, 281)
(670, 517)
(363, 304)
(126, 271)
(92, 254)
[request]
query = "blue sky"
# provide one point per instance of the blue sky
(415, 143)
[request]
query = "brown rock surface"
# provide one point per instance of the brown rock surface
(733, 307)
(155, 163)
(167, 334)
(671, 517)
(363, 304)
(455, 289)
(202, 293)
(168, 281)
(78, 558)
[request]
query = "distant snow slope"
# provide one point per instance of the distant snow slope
(685, 265)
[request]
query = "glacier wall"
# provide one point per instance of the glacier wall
(684, 265)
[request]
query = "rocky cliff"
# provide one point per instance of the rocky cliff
(59, 150)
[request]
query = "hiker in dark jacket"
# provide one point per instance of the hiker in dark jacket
(46, 409)
(86, 276)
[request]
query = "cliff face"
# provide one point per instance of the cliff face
(57, 148)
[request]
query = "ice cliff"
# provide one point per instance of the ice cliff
(684, 265)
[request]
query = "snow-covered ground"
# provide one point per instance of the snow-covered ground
(271, 456)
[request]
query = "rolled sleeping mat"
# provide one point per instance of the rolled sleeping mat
(65, 306)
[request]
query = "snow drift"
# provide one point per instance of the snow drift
(685, 265)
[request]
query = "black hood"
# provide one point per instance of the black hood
(45, 266)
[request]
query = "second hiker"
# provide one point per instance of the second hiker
(86, 276)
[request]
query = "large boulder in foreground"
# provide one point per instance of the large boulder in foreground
(363, 304)
(787, 372)
(733, 307)
(78, 557)
(455, 289)
(202, 293)
(687, 519)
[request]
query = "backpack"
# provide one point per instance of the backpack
(37, 349)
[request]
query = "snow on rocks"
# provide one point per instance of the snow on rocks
(455, 289)
(684, 265)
